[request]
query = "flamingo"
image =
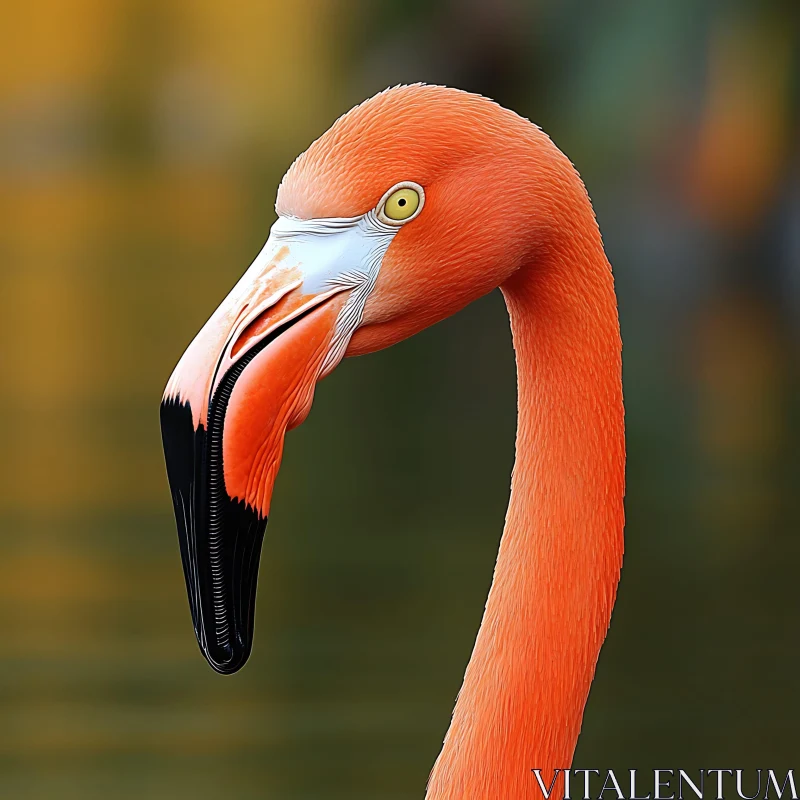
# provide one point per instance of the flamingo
(412, 205)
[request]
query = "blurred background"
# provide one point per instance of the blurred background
(141, 143)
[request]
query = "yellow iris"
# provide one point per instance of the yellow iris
(401, 204)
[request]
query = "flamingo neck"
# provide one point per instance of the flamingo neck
(559, 560)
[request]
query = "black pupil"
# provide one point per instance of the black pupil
(401, 202)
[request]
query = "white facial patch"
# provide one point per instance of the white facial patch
(343, 253)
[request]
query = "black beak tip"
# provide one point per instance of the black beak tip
(225, 654)
(220, 549)
(227, 661)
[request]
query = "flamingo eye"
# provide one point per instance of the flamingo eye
(401, 203)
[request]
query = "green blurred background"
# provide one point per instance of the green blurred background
(141, 143)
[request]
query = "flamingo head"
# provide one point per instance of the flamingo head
(409, 207)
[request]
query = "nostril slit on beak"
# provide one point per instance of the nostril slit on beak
(242, 313)
(259, 325)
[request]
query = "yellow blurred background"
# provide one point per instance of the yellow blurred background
(141, 143)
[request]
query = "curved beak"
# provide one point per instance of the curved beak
(247, 378)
